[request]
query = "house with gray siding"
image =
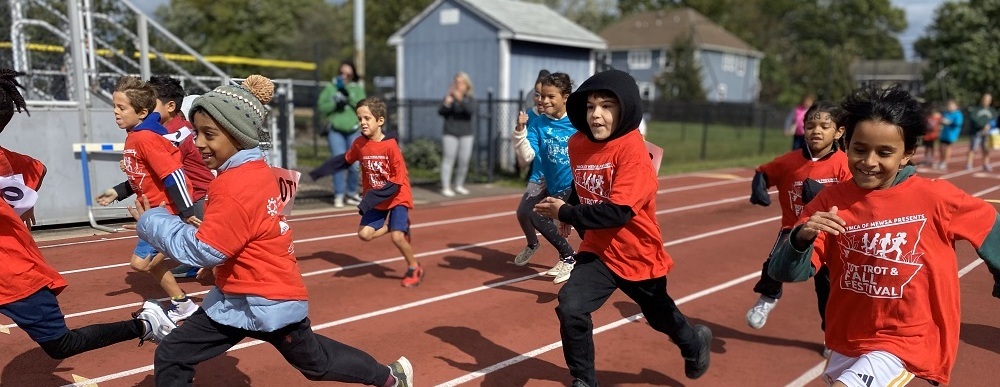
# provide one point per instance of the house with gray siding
(641, 45)
(501, 44)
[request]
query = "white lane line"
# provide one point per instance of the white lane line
(636, 317)
(703, 185)
(702, 293)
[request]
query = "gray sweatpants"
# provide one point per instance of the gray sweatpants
(455, 149)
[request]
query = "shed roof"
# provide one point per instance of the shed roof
(658, 29)
(518, 20)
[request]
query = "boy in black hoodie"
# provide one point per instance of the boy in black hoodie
(622, 248)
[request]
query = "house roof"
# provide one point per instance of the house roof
(659, 29)
(519, 20)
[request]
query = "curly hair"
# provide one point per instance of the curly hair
(11, 99)
(893, 106)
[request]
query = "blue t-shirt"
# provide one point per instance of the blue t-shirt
(549, 139)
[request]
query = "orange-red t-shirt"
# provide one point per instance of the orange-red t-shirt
(894, 273)
(13, 163)
(788, 171)
(149, 158)
(620, 172)
(23, 271)
(243, 221)
(381, 161)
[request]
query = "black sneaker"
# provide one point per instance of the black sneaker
(695, 367)
(579, 383)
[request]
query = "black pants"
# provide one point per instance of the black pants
(316, 357)
(531, 221)
(590, 286)
(771, 287)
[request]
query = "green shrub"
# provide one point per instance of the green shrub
(423, 154)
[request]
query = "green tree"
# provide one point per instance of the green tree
(683, 82)
(962, 46)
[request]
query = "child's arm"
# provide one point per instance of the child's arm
(374, 197)
(591, 216)
(170, 235)
(177, 190)
(525, 140)
(330, 166)
(792, 260)
(989, 251)
(758, 190)
(119, 192)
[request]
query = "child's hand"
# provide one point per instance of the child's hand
(819, 222)
(28, 217)
(193, 220)
(564, 228)
(107, 197)
(522, 120)
(141, 206)
(549, 207)
(205, 272)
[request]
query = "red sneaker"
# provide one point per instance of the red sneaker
(413, 277)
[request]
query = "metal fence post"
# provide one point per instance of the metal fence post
(490, 129)
(704, 134)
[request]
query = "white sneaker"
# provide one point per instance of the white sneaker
(564, 272)
(757, 316)
(524, 256)
(158, 325)
(180, 311)
(461, 190)
(352, 200)
(338, 201)
(554, 271)
(447, 192)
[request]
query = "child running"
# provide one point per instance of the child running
(951, 127)
(169, 96)
(259, 291)
(797, 174)
(28, 285)
(888, 239)
(387, 201)
(542, 141)
(622, 247)
(154, 169)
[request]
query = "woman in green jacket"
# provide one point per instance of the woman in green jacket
(336, 105)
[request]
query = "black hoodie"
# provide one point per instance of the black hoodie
(623, 86)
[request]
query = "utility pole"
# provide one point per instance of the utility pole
(359, 38)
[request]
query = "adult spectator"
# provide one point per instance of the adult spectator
(980, 117)
(336, 105)
(458, 109)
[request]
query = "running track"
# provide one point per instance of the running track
(480, 320)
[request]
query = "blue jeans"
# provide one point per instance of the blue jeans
(339, 144)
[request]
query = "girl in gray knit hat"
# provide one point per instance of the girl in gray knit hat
(259, 291)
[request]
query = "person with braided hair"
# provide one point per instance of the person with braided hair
(243, 237)
(28, 284)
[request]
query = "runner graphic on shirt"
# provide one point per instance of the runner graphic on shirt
(881, 257)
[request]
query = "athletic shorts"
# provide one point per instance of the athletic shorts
(873, 369)
(949, 136)
(38, 315)
(978, 141)
(399, 218)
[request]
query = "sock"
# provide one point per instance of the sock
(391, 381)
(180, 299)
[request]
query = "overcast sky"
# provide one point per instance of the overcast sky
(919, 14)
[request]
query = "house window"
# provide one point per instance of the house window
(728, 63)
(448, 16)
(666, 62)
(640, 59)
(646, 91)
(741, 66)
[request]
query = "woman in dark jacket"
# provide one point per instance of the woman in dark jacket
(458, 110)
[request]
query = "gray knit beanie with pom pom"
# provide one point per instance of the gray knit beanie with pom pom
(240, 109)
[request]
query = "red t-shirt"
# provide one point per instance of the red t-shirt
(149, 158)
(788, 171)
(620, 172)
(243, 221)
(381, 161)
(23, 271)
(13, 163)
(894, 273)
(180, 133)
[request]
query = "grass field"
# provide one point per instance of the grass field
(683, 145)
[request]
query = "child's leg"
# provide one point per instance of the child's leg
(585, 292)
(373, 225)
(149, 264)
(40, 317)
(821, 282)
(532, 195)
(549, 229)
(199, 339)
(320, 358)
